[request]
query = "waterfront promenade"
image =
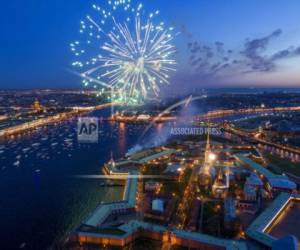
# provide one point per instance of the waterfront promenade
(55, 118)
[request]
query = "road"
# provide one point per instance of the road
(188, 196)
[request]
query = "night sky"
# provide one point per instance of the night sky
(221, 43)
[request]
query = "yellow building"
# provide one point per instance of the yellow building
(37, 106)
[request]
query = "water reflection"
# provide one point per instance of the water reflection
(122, 129)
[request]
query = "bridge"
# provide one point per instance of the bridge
(230, 112)
(97, 107)
(75, 111)
(285, 151)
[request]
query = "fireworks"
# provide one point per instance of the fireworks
(124, 52)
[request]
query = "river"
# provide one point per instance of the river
(41, 201)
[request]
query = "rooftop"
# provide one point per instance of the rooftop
(282, 183)
(259, 168)
(174, 168)
(229, 209)
(102, 212)
(288, 222)
(257, 230)
(105, 209)
(254, 180)
(135, 225)
(288, 243)
(249, 190)
(131, 191)
(144, 158)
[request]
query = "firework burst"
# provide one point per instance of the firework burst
(124, 52)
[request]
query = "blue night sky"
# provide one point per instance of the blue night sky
(221, 43)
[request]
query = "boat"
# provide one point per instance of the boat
(17, 163)
(25, 149)
(22, 245)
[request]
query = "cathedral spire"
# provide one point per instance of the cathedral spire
(112, 161)
(208, 140)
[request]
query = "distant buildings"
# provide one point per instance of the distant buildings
(3, 117)
(36, 106)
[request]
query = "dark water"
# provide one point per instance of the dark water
(40, 200)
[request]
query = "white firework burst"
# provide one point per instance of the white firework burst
(124, 52)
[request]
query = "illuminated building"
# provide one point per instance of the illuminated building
(152, 186)
(207, 171)
(221, 184)
(143, 118)
(37, 106)
(3, 117)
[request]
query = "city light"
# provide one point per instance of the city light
(212, 157)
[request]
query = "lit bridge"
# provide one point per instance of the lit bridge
(284, 151)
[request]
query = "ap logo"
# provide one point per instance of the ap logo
(87, 129)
